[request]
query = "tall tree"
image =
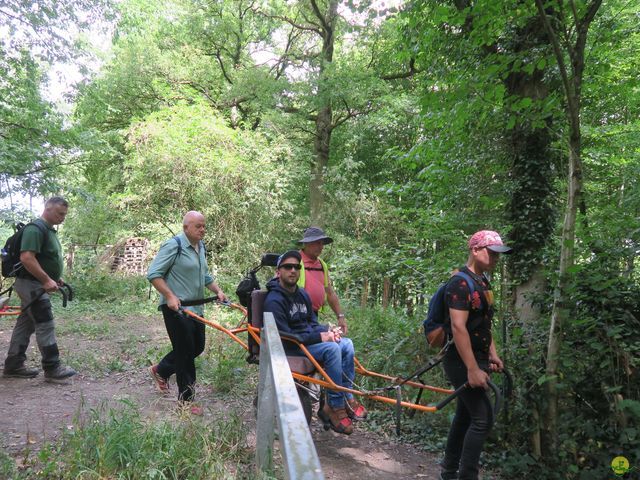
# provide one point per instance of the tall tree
(567, 27)
(36, 144)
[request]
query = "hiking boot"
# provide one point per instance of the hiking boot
(355, 410)
(336, 419)
(161, 383)
(22, 372)
(60, 374)
(448, 473)
(448, 476)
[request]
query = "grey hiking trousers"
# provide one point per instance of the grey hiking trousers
(37, 319)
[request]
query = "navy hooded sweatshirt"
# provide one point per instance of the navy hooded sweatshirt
(293, 314)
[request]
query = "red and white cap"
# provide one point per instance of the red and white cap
(489, 239)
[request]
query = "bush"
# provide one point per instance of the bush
(97, 284)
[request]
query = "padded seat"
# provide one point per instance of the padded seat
(297, 363)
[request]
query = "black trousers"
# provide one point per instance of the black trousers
(471, 424)
(187, 339)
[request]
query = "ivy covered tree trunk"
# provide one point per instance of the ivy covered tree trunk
(530, 208)
(324, 119)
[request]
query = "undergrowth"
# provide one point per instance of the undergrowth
(122, 444)
(392, 343)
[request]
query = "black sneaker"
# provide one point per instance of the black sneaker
(59, 374)
(448, 476)
(22, 372)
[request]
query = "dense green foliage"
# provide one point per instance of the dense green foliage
(444, 117)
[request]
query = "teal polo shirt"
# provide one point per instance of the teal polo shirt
(48, 250)
(189, 274)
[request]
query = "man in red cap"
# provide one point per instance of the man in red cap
(473, 357)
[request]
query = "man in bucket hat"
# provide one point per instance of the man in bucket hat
(473, 357)
(314, 276)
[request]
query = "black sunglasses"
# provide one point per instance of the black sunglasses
(290, 266)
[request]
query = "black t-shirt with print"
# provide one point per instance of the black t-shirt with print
(480, 308)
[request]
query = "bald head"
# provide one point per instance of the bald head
(193, 225)
(191, 216)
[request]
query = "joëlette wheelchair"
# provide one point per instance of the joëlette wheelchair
(308, 374)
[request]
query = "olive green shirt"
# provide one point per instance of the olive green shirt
(47, 249)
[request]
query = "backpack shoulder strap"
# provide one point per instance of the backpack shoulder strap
(472, 288)
(470, 281)
(178, 252)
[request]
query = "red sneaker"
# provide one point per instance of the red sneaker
(356, 410)
(161, 383)
(336, 419)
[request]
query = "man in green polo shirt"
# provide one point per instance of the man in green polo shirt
(180, 272)
(42, 263)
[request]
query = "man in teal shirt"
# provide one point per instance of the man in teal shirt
(40, 275)
(179, 272)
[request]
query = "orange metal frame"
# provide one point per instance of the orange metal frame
(9, 310)
(324, 380)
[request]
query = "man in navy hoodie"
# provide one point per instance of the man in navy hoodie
(293, 313)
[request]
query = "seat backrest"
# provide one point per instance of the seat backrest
(257, 307)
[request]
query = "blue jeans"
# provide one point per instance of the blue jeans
(337, 360)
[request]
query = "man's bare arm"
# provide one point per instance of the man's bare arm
(161, 286)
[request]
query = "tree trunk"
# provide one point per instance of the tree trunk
(386, 286)
(572, 85)
(536, 449)
(527, 312)
(365, 293)
(71, 258)
(324, 119)
(561, 309)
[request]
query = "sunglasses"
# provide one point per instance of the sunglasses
(291, 266)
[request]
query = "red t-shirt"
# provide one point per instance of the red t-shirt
(314, 281)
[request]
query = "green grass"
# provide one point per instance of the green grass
(223, 363)
(122, 444)
(89, 329)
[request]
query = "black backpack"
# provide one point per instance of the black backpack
(11, 264)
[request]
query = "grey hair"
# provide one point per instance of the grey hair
(56, 201)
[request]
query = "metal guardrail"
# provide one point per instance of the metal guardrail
(278, 399)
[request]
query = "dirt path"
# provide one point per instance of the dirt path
(33, 411)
